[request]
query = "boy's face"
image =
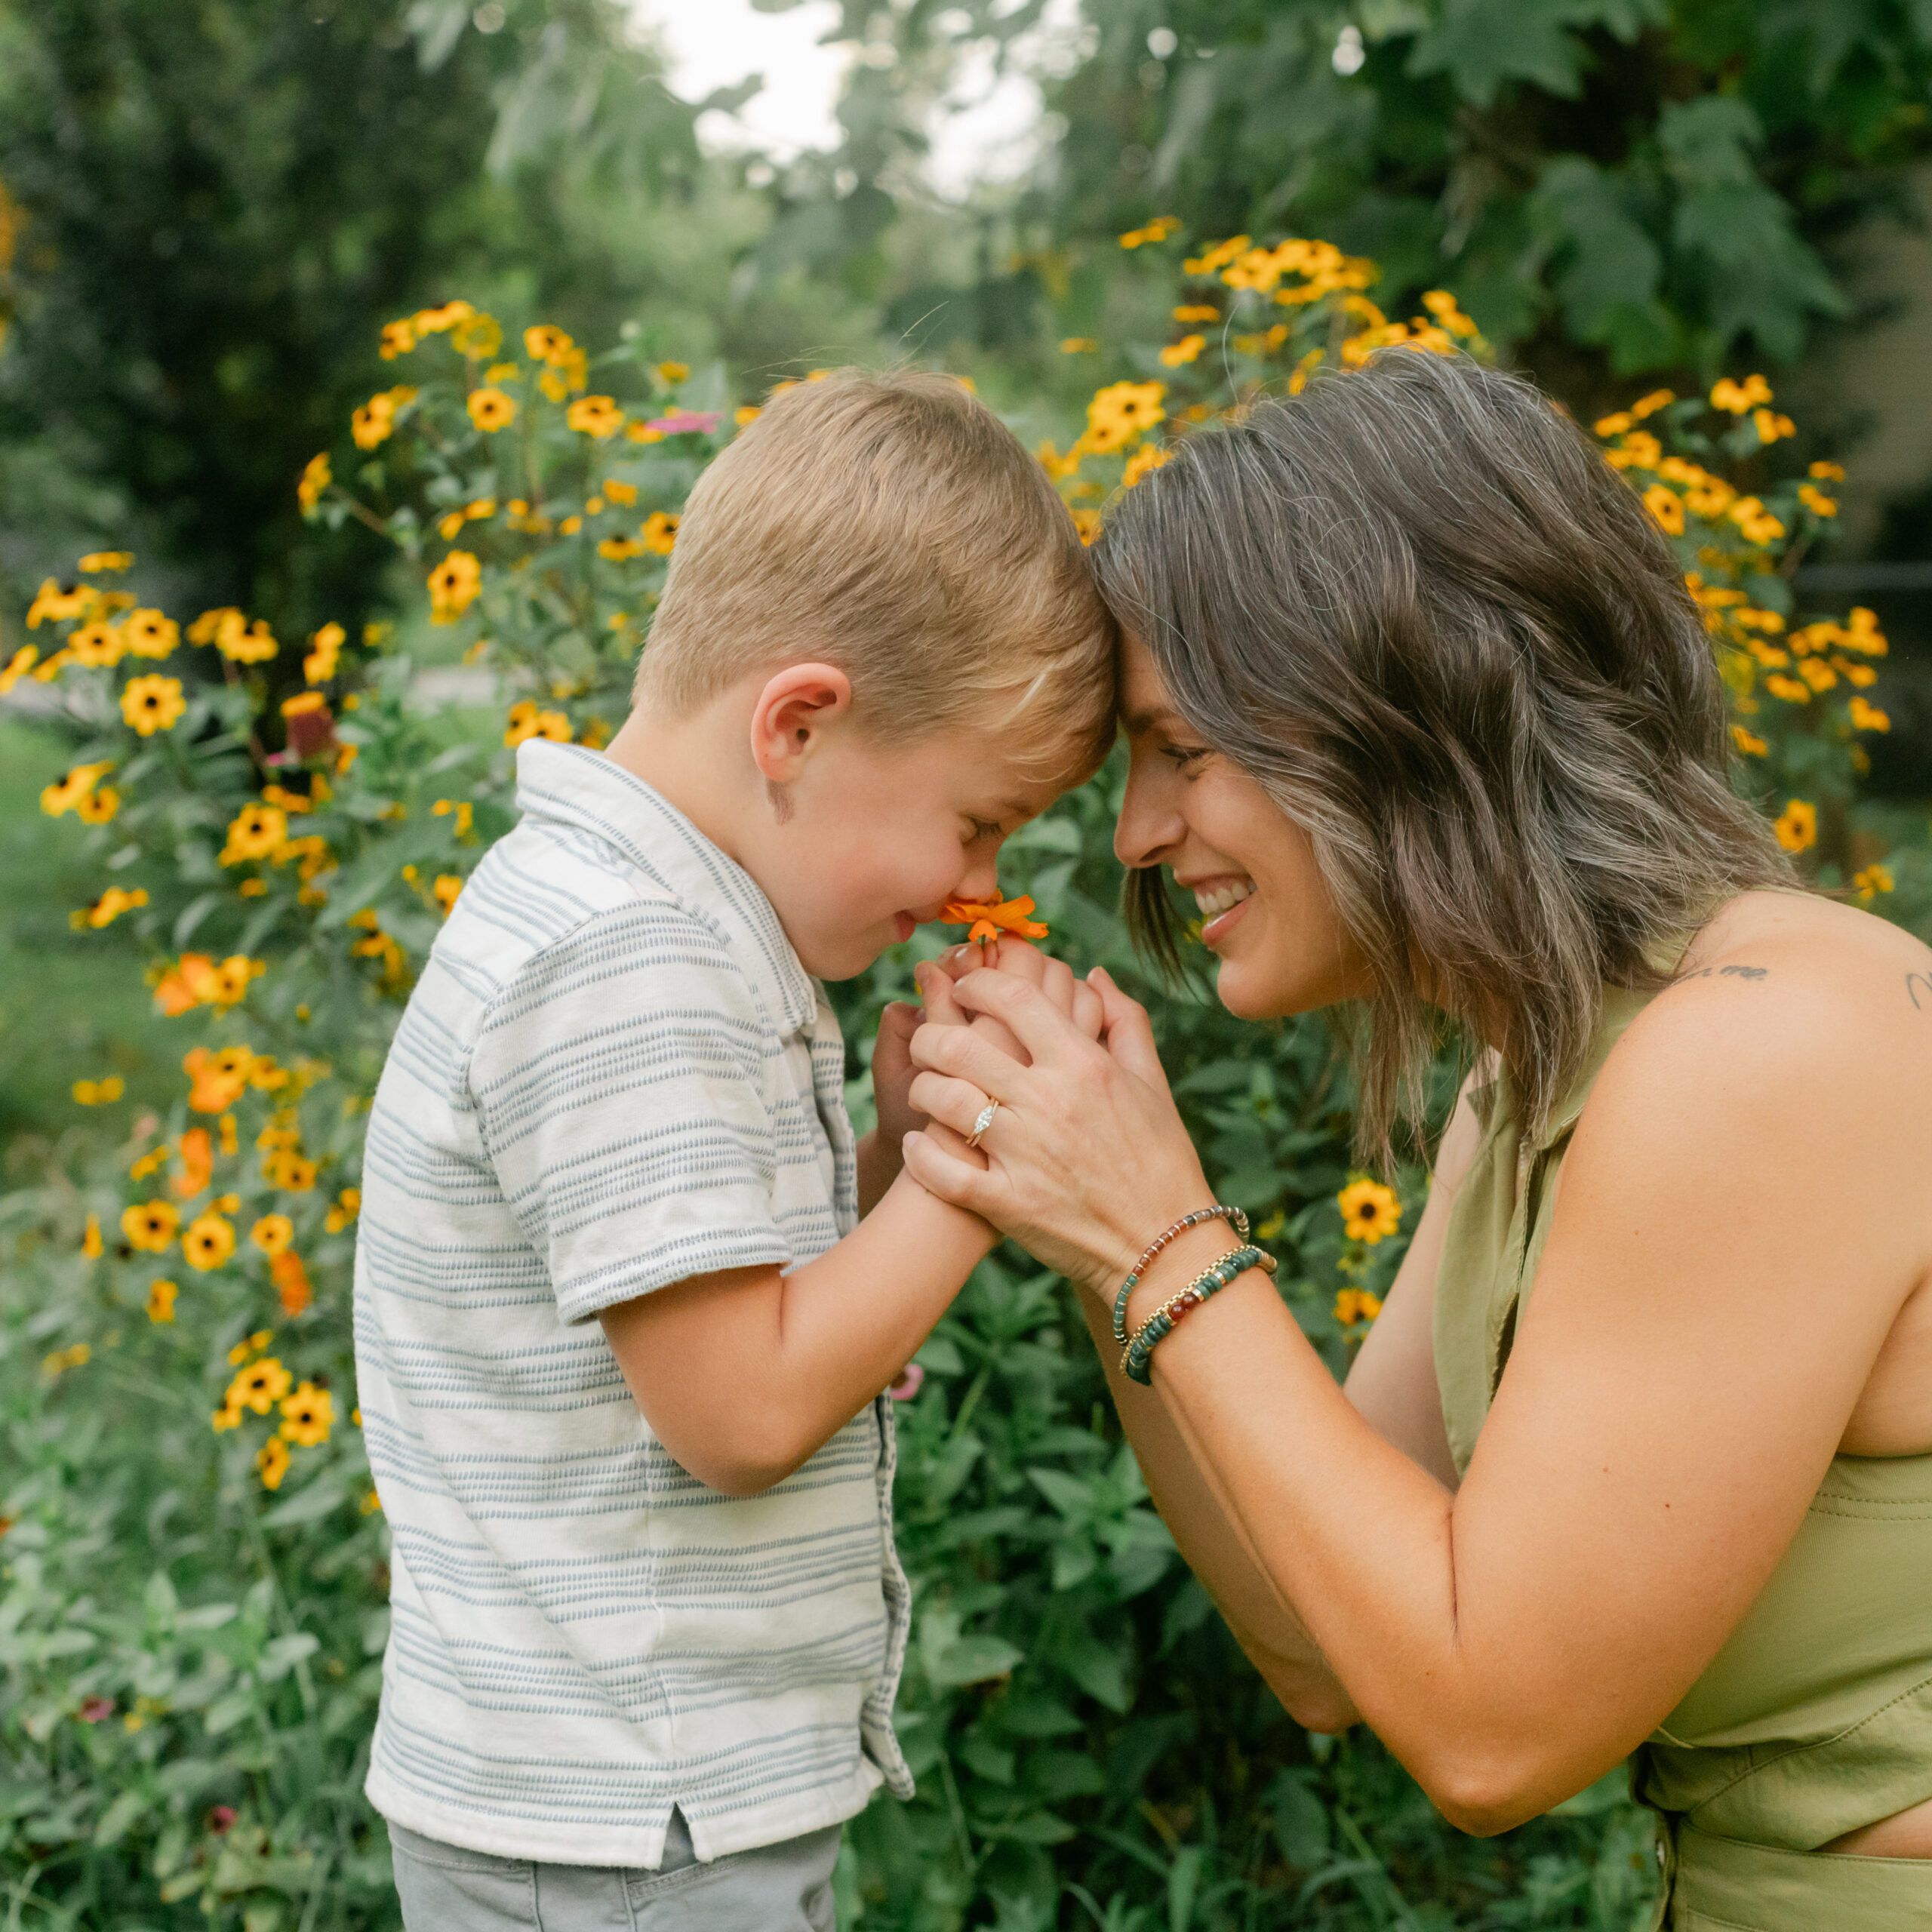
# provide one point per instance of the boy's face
(881, 836)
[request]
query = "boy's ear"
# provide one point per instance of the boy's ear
(791, 714)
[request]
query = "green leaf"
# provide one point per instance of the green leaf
(1481, 44)
(972, 1660)
(1100, 1671)
(118, 1816)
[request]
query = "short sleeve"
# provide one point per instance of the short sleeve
(620, 1080)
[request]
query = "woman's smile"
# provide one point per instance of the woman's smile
(1221, 902)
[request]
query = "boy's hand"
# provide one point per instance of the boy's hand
(1068, 995)
(893, 1071)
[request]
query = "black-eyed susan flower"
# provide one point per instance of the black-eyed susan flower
(149, 1227)
(307, 1416)
(1088, 523)
(1739, 399)
(1868, 717)
(543, 342)
(1178, 353)
(490, 410)
(67, 794)
(1749, 742)
(293, 1173)
(674, 372)
(259, 1386)
(1356, 1305)
(152, 704)
(1121, 411)
(315, 477)
(91, 1244)
(207, 1241)
(58, 604)
(98, 645)
(162, 1297)
(17, 666)
(99, 1092)
(225, 1418)
(96, 561)
(1148, 457)
(271, 1234)
(659, 532)
(348, 1205)
(446, 889)
(1370, 1211)
(375, 422)
(253, 833)
(272, 1462)
(148, 633)
(620, 550)
(526, 721)
(595, 416)
(324, 648)
(454, 584)
(1797, 824)
(1874, 879)
(1667, 507)
(99, 806)
(398, 338)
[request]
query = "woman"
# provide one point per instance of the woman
(1638, 1456)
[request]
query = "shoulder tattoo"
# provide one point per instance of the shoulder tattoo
(1737, 973)
(1919, 986)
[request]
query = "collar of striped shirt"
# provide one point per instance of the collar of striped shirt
(575, 786)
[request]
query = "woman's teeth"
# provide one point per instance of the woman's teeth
(1218, 899)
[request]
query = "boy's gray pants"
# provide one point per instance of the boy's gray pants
(785, 1887)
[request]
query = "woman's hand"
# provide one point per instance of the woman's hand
(1087, 1158)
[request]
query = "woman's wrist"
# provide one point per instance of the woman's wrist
(1187, 1255)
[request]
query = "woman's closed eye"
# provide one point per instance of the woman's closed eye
(1185, 757)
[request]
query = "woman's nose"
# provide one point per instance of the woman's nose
(1149, 826)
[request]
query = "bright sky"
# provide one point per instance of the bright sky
(989, 132)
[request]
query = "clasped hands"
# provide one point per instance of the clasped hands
(1086, 1152)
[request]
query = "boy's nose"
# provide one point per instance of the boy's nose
(981, 882)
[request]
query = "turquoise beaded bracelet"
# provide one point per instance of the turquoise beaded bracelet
(1136, 1363)
(1234, 1218)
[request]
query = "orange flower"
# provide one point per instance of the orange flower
(291, 1281)
(197, 1153)
(988, 922)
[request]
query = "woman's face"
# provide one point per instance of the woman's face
(1268, 916)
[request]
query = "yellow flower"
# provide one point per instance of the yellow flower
(98, 645)
(316, 477)
(1185, 350)
(1148, 456)
(1796, 826)
(1815, 500)
(149, 634)
(674, 372)
(543, 343)
(308, 1416)
(1607, 426)
(272, 1462)
(1370, 1211)
(1770, 426)
(1793, 690)
(349, 1205)
(490, 410)
(152, 704)
(1197, 312)
(272, 1233)
(255, 644)
(446, 888)
(1738, 398)
(527, 721)
(54, 605)
(77, 1355)
(90, 1241)
(1355, 1305)
(256, 831)
(1078, 345)
(1748, 742)
(294, 1173)
(454, 584)
(1819, 675)
(207, 1241)
(1666, 506)
(67, 794)
(149, 1228)
(1868, 717)
(226, 1417)
(619, 491)
(259, 1386)
(1649, 405)
(659, 532)
(99, 1093)
(95, 562)
(1873, 880)
(1159, 230)
(1827, 472)
(597, 416)
(398, 338)
(463, 811)
(17, 666)
(1088, 523)
(477, 337)
(324, 649)
(746, 412)
(617, 549)
(1122, 411)
(436, 322)
(161, 1300)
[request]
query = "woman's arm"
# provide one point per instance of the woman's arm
(1732, 1244)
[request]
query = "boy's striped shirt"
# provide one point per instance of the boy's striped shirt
(613, 1075)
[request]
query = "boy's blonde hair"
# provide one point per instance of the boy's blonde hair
(894, 526)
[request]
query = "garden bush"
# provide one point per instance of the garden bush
(194, 1605)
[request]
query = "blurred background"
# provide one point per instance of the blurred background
(208, 207)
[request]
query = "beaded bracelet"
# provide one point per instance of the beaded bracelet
(1234, 1218)
(1136, 1363)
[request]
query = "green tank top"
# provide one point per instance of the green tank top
(1816, 1717)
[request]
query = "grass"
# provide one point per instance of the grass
(72, 1004)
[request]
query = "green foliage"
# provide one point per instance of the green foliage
(191, 1613)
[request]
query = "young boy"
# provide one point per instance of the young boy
(620, 1334)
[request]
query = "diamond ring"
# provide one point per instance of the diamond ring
(985, 1121)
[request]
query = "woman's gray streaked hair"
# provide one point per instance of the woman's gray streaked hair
(1418, 606)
